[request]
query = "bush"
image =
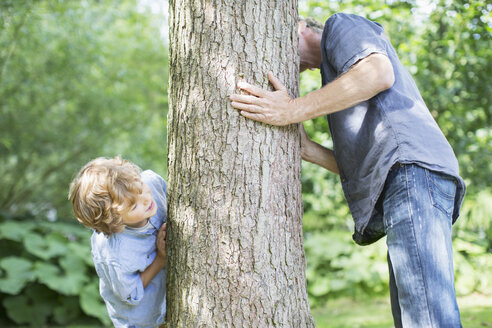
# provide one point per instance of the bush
(336, 266)
(473, 245)
(46, 267)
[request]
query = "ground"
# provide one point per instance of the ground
(476, 312)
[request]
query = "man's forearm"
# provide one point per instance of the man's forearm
(317, 154)
(363, 81)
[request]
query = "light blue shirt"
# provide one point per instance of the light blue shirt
(120, 258)
(393, 127)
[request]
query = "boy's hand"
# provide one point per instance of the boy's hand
(160, 259)
(160, 241)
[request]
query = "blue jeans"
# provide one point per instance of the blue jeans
(417, 206)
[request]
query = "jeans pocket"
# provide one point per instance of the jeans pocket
(442, 191)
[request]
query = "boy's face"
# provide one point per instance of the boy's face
(138, 214)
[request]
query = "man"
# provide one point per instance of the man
(399, 174)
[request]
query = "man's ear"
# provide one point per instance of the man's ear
(301, 27)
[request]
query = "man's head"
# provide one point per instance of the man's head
(104, 191)
(310, 32)
(313, 24)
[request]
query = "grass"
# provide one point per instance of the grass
(476, 312)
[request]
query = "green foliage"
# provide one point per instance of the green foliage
(18, 272)
(453, 69)
(45, 267)
(336, 266)
(91, 301)
(473, 245)
(80, 79)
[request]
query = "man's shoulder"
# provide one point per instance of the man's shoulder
(339, 16)
(345, 18)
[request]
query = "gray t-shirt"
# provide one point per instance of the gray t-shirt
(393, 127)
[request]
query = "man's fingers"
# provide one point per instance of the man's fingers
(253, 116)
(246, 107)
(252, 89)
(247, 99)
(302, 129)
(276, 82)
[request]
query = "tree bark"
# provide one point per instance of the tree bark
(235, 245)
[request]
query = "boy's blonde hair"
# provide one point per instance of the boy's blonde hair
(102, 189)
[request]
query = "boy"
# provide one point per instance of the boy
(126, 208)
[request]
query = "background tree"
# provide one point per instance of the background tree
(78, 79)
(74, 87)
(235, 240)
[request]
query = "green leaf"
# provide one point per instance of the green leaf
(466, 278)
(74, 277)
(36, 245)
(68, 230)
(320, 286)
(469, 248)
(17, 273)
(82, 251)
(67, 311)
(57, 244)
(48, 247)
(338, 284)
(68, 282)
(92, 303)
(15, 231)
(33, 307)
(45, 273)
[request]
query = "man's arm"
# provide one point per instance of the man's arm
(362, 81)
(315, 153)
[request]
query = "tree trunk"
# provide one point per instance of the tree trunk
(235, 246)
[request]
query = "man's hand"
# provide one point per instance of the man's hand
(270, 107)
(306, 143)
(315, 153)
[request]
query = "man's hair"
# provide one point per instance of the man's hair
(102, 189)
(314, 24)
